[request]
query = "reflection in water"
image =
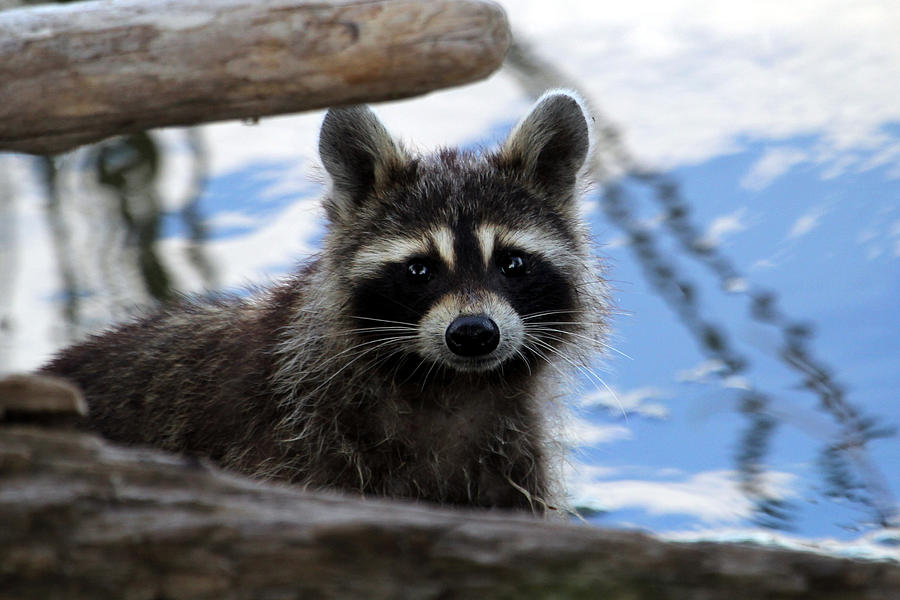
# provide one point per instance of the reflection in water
(125, 230)
(62, 247)
(127, 168)
(191, 216)
(848, 469)
(8, 259)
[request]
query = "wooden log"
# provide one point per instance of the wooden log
(76, 73)
(37, 396)
(81, 518)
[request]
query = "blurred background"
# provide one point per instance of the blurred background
(746, 200)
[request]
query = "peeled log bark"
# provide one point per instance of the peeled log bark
(77, 73)
(83, 518)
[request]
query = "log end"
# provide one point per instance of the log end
(40, 399)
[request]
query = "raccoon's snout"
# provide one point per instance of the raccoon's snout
(470, 332)
(472, 336)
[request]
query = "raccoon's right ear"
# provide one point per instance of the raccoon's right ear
(359, 155)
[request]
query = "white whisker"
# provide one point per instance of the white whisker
(538, 328)
(592, 376)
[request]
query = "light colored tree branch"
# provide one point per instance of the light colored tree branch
(77, 73)
(81, 518)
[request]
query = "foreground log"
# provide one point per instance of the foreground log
(83, 518)
(78, 73)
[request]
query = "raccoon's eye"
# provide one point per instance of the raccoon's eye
(418, 270)
(512, 264)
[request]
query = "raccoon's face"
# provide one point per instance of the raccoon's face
(456, 260)
(474, 293)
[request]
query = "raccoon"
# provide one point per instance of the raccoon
(418, 356)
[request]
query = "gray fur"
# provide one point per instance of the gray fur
(359, 154)
(285, 385)
(552, 142)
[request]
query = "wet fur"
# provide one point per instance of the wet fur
(297, 383)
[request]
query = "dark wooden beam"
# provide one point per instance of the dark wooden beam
(82, 518)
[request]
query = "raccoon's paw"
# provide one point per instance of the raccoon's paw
(40, 399)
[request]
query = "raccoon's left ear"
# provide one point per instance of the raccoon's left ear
(359, 155)
(550, 144)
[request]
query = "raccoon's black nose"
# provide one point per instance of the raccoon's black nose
(472, 336)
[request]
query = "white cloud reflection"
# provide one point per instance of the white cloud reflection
(581, 433)
(710, 497)
(690, 79)
(774, 163)
(807, 222)
(723, 226)
(640, 401)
